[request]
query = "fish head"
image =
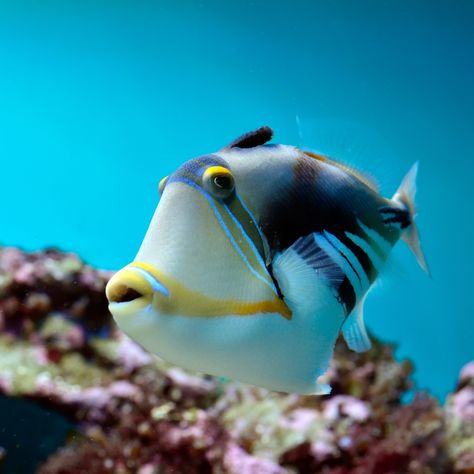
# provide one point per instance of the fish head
(203, 255)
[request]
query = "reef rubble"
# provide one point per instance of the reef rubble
(133, 413)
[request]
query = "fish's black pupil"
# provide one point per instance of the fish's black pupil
(223, 182)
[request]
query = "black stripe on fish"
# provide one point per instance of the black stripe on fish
(344, 256)
(361, 256)
(308, 249)
(346, 293)
(275, 282)
(312, 202)
(396, 215)
(318, 200)
(347, 296)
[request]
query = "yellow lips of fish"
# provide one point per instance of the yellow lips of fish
(129, 283)
(128, 292)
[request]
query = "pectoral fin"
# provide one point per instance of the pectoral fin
(316, 258)
(354, 330)
(304, 266)
(309, 280)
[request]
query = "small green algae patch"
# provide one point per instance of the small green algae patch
(24, 368)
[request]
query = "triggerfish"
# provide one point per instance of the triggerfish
(257, 256)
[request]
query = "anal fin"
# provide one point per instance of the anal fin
(322, 389)
(354, 330)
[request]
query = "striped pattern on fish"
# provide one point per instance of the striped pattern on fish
(256, 258)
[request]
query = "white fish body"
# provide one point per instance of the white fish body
(239, 276)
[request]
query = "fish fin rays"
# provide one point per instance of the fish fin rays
(369, 181)
(412, 238)
(303, 269)
(295, 277)
(354, 331)
(315, 257)
(405, 195)
(309, 279)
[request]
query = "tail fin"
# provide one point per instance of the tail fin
(405, 195)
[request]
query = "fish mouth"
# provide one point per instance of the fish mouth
(132, 289)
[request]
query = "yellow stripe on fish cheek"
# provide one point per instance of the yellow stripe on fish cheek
(185, 302)
(188, 303)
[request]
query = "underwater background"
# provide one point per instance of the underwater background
(99, 101)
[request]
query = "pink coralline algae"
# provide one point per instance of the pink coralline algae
(133, 413)
(344, 405)
(460, 422)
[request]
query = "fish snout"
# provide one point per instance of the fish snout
(132, 289)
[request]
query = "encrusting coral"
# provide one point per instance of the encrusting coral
(135, 414)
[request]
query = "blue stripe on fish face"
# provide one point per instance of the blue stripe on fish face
(265, 251)
(154, 283)
(267, 281)
(194, 170)
(246, 236)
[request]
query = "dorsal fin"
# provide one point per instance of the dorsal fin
(254, 138)
(367, 180)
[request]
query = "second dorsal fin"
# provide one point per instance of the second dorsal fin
(367, 180)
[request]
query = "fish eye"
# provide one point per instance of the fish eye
(223, 182)
(162, 184)
(218, 181)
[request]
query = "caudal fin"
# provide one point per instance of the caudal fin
(405, 195)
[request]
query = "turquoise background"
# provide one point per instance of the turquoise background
(99, 100)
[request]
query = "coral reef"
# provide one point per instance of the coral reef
(459, 412)
(136, 414)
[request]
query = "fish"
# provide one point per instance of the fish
(257, 257)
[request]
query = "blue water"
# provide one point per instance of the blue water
(98, 102)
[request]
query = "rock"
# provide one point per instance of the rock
(134, 413)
